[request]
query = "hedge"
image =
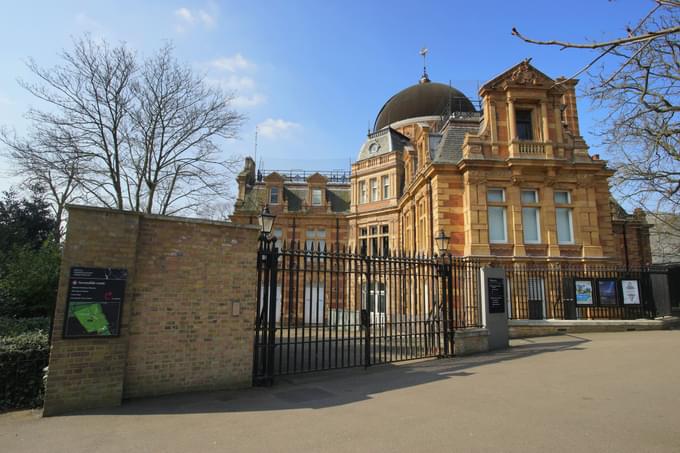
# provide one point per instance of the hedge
(23, 356)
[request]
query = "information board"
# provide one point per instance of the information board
(631, 292)
(496, 291)
(94, 302)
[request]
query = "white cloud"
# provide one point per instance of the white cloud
(236, 62)
(87, 22)
(186, 15)
(190, 18)
(249, 101)
(277, 128)
(233, 82)
(4, 100)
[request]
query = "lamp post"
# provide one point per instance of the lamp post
(444, 271)
(265, 335)
(266, 219)
(442, 242)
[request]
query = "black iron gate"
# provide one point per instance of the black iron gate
(321, 309)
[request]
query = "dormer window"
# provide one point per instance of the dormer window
(274, 195)
(523, 122)
(316, 197)
(373, 148)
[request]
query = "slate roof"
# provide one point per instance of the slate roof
(450, 148)
(256, 197)
(386, 139)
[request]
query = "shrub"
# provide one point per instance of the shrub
(23, 357)
(29, 279)
(10, 327)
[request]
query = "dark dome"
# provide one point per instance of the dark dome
(423, 99)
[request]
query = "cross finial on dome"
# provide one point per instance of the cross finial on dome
(423, 53)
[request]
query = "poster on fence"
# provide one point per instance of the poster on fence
(584, 292)
(631, 292)
(606, 291)
(95, 298)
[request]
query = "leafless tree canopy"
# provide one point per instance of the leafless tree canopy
(126, 132)
(636, 79)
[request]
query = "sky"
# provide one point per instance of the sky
(312, 75)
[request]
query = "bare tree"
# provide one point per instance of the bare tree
(41, 160)
(124, 132)
(177, 120)
(636, 79)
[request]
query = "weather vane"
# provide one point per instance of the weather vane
(423, 53)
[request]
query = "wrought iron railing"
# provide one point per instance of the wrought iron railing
(561, 291)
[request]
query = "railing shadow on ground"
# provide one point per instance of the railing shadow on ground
(338, 387)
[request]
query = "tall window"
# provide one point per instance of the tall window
(362, 192)
(315, 238)
(564, 217)
(531, 217)
(498, 224)
(374, 239)
(386, 187)
(363, 240)
(523, 121)
(316, 197)
(278, 234)
(274, 195)
(385, 239)
(374, 189)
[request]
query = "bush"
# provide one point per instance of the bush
(10, 327)
(23, 356)
(29, 279)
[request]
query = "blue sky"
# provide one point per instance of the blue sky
(313, 74)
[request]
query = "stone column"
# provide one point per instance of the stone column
(548, 221)
(515, 220)
(559, 137)
(512, 127)
(493, 127)
(546, 130)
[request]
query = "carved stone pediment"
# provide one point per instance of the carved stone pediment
(524, 75)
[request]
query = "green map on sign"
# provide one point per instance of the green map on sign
(92, 318)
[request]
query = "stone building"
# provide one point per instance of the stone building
(311, 208)
(509, 179)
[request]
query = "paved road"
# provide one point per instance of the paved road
(609, 392)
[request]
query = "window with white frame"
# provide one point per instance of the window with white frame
(278, 234)
(564, 217)
(274, 195)
(374, 189)
(386, 187)
(316, 197)
(315, 238)
(375, 240)
(531, 224)
(362, 192)
(497, 216)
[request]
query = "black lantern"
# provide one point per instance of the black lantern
(266, 221)
(442, 241)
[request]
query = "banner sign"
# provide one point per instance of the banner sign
(94, 302)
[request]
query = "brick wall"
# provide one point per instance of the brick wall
(187, 321)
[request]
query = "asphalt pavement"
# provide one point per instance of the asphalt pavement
(599, 392)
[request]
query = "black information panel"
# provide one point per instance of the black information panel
(496, 291)
(94, 303)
